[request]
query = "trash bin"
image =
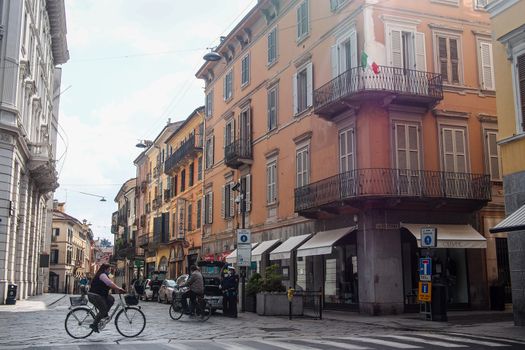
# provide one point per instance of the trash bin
(11, 294)
(497, 298)
(439, 302)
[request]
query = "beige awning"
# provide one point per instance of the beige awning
(232, 258)
(284, 251)
(450, 236)
(323, 241)
(513, 222)
(262, 248)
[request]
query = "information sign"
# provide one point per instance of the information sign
(244, 254)
(425, 269)
(244, 236)
(428, 237)
(425, 291)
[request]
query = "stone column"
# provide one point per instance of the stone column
(379, 262)
(21, 252)
(516, 243)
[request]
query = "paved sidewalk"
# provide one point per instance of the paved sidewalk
(34, 303)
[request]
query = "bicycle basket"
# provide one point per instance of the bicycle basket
(77, 301)
(131, 300)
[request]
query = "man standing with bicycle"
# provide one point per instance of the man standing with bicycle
(196, 284)
(99, 294)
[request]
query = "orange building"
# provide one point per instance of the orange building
(352, 125)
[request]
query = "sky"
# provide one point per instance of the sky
(132, 66)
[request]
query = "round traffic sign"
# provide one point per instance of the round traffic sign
(243, 238)
(428, 240)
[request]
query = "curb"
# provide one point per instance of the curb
(56, 301)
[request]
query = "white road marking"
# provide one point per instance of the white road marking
(382, 342)
(461, 340)
(426, 341)
(335, 344)
(286, 345)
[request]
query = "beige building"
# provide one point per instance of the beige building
(508, 28)
(70, 254)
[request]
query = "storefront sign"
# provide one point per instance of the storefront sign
(425, 291)
(428, 237)
(385, 226)
(425, 269)
(244, 254)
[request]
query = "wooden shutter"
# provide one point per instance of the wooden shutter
(493, 155)
(353, 50)
(248, 191)
(443, 58)
(521, 83)
(309, 85)
(334, 60)
(231, 203)
(454, 60)
(223, 201)
(295, 102)
(487, 66)
(421, 63)
(407, 146)
(346, 150)
(396, 54)
(210, 207)
(454, 150)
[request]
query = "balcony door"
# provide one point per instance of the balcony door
(245, 133)
(347, 163)
(407, 157)
(454, 152)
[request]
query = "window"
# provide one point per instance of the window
(56, 232)
(227, 205)
(192, 174)
(54, 256)
(448, 56)
(344, 54)
(454, 149)
(273, 93)
(183, 180)
(209, 151)
(302, 167)
(407, 157)
(229, 132)
(480, 4)
(303, 20)
(272, 46)
(493, 161)
(199, 168)
(346, 150)
(209, 104)
(228, 85)
(208, 208)
(190, 223)
(520, 78)
(246, 183)
(406, 48)
(303, 89)
(174, 186)
(486, 65)
(245, 70)
(336, 4)
(199, 213)
(271, 182)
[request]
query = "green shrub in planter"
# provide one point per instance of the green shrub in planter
(272, 281)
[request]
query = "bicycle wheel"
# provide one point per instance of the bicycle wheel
(176, 310)
(130, 321)
(203, 311)
(78, 321)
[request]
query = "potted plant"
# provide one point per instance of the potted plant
(273, 299)
(252, 288)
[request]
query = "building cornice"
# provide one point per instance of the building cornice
(498, 6)
(57, 21)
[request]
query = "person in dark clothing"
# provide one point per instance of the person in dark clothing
(196, 284)
(99, 294)
(229, 287)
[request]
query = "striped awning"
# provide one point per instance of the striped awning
(513, 222)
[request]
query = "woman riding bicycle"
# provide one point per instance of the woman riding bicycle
(196, 284)
(99, 294)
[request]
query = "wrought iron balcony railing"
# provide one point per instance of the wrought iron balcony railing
(380, 183)
(187, 149)
(238, 152)
(418, 86)
(143, 240)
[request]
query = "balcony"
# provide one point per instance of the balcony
(387, 188)
(404, 86)
(42, 167)
(238, 153)
(187, 150)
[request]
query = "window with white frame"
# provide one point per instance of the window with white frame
(346, 150)
(272, 46)
(245, 70)
(208, 208)
(303, 88)
(228, 85)
(405, 47)
(229, 132)
(303, 20)
(210, 141)
(344, 53)
(228, 201)
(454, 149)
(302, 166)
(273, 94)
(492, 154)
(209, 104)
(486, 65)
(337, 4)
(271, 181)
(448, 57)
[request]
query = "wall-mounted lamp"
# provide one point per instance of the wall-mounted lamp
(212, 56)
(144, 144)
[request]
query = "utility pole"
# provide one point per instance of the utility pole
(243, 223)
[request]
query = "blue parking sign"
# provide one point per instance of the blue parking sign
(425, 269)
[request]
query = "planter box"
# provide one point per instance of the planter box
(276, 304)
(251, 303)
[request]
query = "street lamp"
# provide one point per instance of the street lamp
(240, 187)
(102, 199)
(144, 144)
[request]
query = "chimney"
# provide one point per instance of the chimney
(61, 206)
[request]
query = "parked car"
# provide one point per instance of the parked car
(166, 291)
(148, 292)
(212, 275)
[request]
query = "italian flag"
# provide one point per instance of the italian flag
(366, 62)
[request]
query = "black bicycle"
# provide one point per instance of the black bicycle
(202, 308)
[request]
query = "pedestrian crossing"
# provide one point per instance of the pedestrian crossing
(415, 340)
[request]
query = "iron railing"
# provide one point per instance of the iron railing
(143, 240)
(237, 150)
(383, 182)
(390, 79)
(188, 148)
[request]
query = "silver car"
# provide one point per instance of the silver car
(166, 291)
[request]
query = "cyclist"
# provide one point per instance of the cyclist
(196, 284)
(99, 294)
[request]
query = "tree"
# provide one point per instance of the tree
(105, 243)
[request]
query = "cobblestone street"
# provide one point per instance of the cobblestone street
(39, 322)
